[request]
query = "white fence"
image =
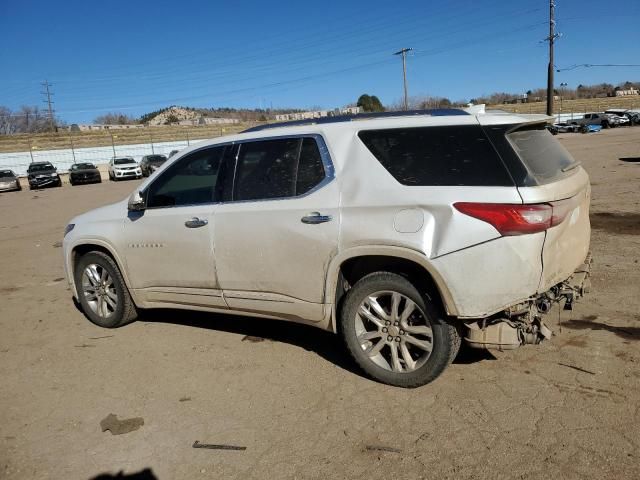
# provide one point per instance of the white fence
(64, 158)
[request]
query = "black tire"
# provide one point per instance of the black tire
(445, 337)
(605, 125)
(125, 311)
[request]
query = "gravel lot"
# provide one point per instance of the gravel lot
(566, 409)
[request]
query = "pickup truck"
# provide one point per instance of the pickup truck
(604, 119)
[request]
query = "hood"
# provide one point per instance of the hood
(108, 212)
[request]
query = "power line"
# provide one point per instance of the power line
(589, 65)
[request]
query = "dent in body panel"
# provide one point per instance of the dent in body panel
(489, 277)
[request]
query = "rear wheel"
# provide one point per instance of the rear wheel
(394, 333)
(102, 293)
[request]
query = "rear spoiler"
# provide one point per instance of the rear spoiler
(513, 118)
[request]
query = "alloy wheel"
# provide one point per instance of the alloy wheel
(99, 290)
(393, 331)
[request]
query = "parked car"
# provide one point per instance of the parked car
(624, 115)
(43, 174)
(9, 181)
(405, 233)
(123, 167)
(84, 173)
(590, 128)
(150, 163)
(564, 127)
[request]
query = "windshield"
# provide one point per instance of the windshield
(40, 167)
(123, 161)
(82, 166)
(6, 173)
(156, 159)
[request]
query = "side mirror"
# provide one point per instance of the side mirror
(136, 202)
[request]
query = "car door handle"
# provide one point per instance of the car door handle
(196, 222)
(315, 218)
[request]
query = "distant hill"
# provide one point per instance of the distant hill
(175, 113)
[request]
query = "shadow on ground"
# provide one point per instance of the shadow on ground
(326, 344)
(146, 474)
(617, 223)
(589, 323)
(630, 159)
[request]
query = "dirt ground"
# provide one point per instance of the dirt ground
(289, 394)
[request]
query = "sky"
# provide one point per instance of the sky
(138, 56)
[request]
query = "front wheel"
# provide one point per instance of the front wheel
(102, 292)
(394, 333)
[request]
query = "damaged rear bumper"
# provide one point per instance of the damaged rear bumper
(522, 324)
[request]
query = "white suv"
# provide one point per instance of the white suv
(123, 167)
(403, 233)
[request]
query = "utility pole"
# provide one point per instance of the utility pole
(48, 101)
(403, 52)
(551, 39)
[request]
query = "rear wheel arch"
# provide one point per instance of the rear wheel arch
(346, 270)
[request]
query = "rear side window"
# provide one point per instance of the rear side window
(266, 169)
(544, 157)
(438, 156)
(278, 168)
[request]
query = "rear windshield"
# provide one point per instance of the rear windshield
(439, 156)
(545, 157)
(6, 173)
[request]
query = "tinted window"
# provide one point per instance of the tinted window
(192, 180)
(39, 167)
(155, 159)
(267, 169)
(460, 155)
(123, 161)
(545, 158)
(310, 168)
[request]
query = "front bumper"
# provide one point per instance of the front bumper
(128, 173)
(41, 182)
(85, 178)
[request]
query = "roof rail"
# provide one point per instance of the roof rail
(436, 112)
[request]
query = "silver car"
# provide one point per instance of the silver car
(404, 233)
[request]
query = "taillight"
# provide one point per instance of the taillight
(517, 219)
